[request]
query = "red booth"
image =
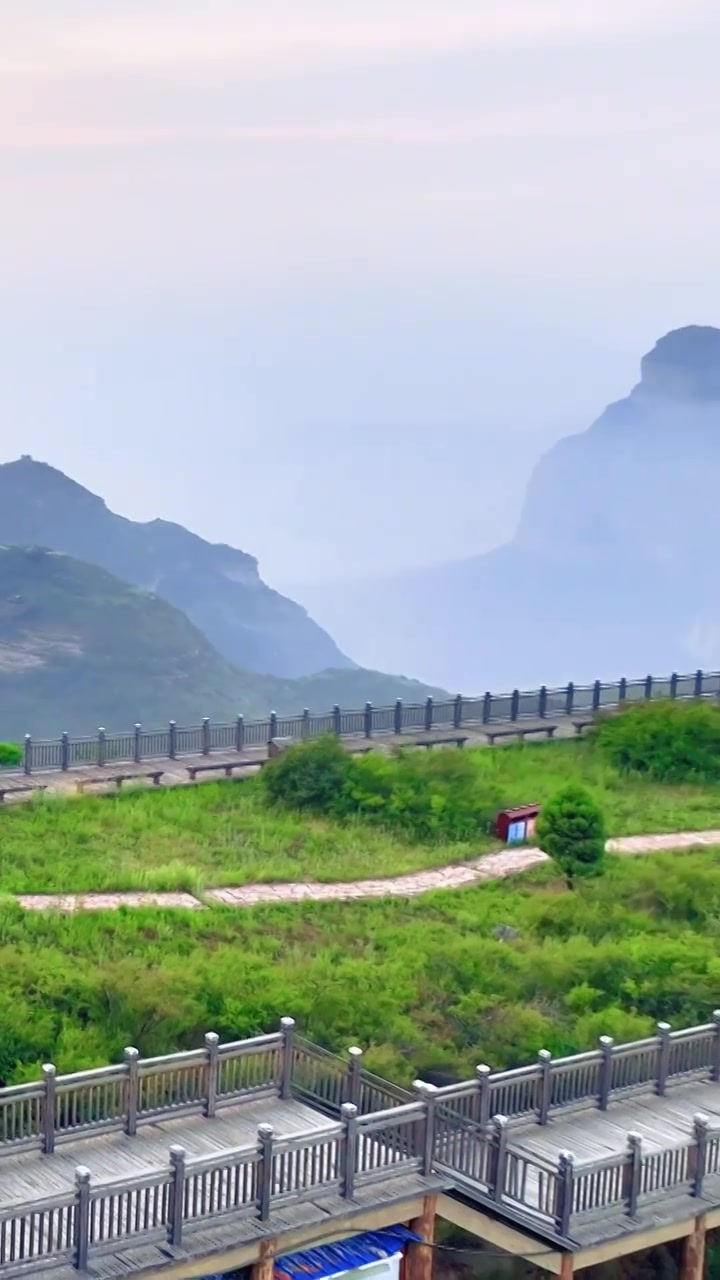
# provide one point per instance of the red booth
(516, 825)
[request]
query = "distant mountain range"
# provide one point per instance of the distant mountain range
(613, 567)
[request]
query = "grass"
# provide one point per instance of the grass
(191, 838)
(424, 985)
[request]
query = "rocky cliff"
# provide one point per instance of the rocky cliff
(218, 587)
(613, 568)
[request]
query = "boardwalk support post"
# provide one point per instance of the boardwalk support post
(673, 684)
(544, 1085)
(337, 720)
(239, 734)
(715, 1071)
(206, 736)
(606, 1048)
(428, 1092)
(368, 719)
(132, 1064)
(101, 748)
(172, 740)
(693, 1256)
(542, 702)
(349, 1115)
(632, 1171)
(287, 1030)
(487, 708)
(81, 1240)
(564, 1193)
(27, 754)
(48, 1108)
(698, 683)
(428, 714)
(212, 1046)
(398, 717)
(419, 1257)
(65, 752)
(305, 726)
(498, 1156)
(569, 698)
(648, 687)
(137, 744)
(265, 1172)
(698, 1156)
(481, 1108)
(272, 726)
(597, 692)
(177, 1195)
(457, 711)
(663, 1030)
(354, 1080)
(622, 690)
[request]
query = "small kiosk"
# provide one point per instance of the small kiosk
(514, 826)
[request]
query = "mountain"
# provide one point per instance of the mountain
(218, 587)
(612, 569)
(79, 649)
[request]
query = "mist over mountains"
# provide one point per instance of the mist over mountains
(612, 566)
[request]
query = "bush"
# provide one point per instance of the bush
(311, 775)
(10, 753)
(571, 830)
(668, 741)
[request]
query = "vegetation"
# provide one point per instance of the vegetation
(427, 797)
(10, 754)
(665, 740)
(428, 984)
(571, 830)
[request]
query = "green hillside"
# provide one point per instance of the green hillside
(79, 648)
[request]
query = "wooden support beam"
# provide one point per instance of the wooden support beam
(264, 1268)
(693, 1257)
(419, 1261)
(567, 1266)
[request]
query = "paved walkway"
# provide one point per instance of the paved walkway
(491, 866)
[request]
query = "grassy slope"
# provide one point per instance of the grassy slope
(222, 833)
(422, 984)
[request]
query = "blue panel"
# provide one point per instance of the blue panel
(345, 1255)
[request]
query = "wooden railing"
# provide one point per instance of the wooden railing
(595, 1079)
(173, 741)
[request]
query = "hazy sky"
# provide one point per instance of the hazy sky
(323, 279)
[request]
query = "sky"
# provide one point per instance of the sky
(323, 280)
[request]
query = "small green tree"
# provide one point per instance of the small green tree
(10, 754)
(571, 830)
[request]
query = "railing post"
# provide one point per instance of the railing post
(701, 1124)
(542, 702)
(349, 1115)
(632, 1171)
(597, 687)
(305, 727)
(427, 1093)
(498, 1159)
(265, 1172)
(428, 714)
(487, 708)
(648, 686)
(239, 734)
(287, 1030)
(663, 1031)
(48, 1106)
(137, 745)
(101, 748)
(481, 1105)
(515, 704)
(368, 719)
(606, 1048)
(354, 1080)
(172, 740)
(212, 1045)
(698, 683)
(622, 690)
(715, 1065)
(673, 684)
(132, 1065)
(272, 726)
(545, 1085)
(81, 1239)
(27, 754)
(457, 711)
(569, 698)
(397, 724)
(206, 736)
(336, 720)
(564, 1192)
(65, 752)
(177, 1195)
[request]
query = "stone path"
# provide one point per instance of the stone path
(491, 866)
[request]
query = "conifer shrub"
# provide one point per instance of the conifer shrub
(571, 831)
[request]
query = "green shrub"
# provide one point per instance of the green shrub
(668, 741)
(311, 775)
(10, 753)
(571, 830)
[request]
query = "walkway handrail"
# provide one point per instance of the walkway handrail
(591, 1079)
(175, 741)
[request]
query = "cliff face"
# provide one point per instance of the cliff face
(218, 587)
(613, 568)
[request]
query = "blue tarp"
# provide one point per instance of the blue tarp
(345, 1255)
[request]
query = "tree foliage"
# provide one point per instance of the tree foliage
(665, 740)
(10, 754)
(571, 830)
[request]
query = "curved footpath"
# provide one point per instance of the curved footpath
(491, 866)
